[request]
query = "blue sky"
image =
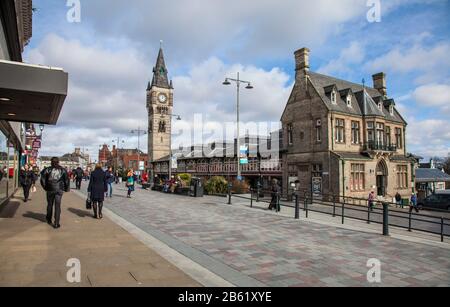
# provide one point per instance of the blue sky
(110, 53)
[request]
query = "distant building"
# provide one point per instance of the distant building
(431, 178)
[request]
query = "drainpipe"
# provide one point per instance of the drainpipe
(343, 178)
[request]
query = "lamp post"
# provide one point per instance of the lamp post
(139, 131)
(117, 150)
(238, 145)
(178, 117)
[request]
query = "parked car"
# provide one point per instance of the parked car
(436, 201)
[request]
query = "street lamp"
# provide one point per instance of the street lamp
(248, 87)
(139, 131)
(178, 117)
(117, 150)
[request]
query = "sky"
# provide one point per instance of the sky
(110, 53)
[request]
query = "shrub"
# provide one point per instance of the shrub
(216, 185)
(186, 179)
(240, 187)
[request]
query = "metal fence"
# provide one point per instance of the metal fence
(385, 213)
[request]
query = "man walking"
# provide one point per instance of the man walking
(55, 180)
(79, 177)
(413, 204)
(109, 180)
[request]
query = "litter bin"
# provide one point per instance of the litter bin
(196, 188)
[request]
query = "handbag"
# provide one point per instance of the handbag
(88, 204)
(33, 189)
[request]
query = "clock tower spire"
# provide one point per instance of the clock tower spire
(159, 106)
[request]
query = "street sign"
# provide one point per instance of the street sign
(141, 165)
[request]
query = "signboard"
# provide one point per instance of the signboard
(243, 151)
(141, 165)
(37, 144)
(317, 186)
(174, 163)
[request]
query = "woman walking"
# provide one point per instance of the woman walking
(97, 189)
(130, 183)
(27, 180)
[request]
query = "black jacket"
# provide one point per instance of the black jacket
(55, 179)
(79, 173)
(27, 178)
(98, 185)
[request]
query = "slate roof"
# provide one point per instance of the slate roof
(323, 85)
(431, 175)
(160, 73)
(353, 156)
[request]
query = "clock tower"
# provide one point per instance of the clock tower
(159, 106)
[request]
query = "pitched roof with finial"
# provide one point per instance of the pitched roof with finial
(160, 73)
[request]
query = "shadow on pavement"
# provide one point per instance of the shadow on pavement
(36, 216)
(9, 210)
(80, 213)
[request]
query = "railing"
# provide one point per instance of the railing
(382, 212)
(370, 146)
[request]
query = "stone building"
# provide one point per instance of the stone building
(343, 138)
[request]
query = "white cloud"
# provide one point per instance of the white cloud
(352, 55)
(433, 95)
(430, 137)
(433, 63)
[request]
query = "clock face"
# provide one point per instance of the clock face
(162, 98)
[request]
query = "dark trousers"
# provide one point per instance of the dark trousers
(26, 191)
(411, 208)
(54, 199)
(78, 183)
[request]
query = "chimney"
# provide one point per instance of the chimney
(379, 83)
(302, 60)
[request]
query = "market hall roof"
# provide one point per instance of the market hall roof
(431, 175)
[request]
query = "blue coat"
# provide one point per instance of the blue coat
(98, 185)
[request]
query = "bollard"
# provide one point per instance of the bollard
(368, 214)
(251, 198)
(334, 206)
(297, 207)
(409, 222)
(442, 229)
(257, 193)
(278, 202)
(306, 208)
(343, 212)
(385, 219)
(229, 196)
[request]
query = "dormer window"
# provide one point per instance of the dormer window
(380, 106)
(391, 110)
(333, 97)
(349, 101)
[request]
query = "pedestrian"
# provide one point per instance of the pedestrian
(78, 177)
(130, 183)
(275, 193)
(98, 186)
(55, 181)
(27, 180)
(398, 200)
(371, 200)
(109, 180)
(413, 203)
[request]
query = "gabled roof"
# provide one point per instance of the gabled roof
(324, 84)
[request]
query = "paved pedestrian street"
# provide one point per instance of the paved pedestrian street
(251, 247)
(34, 254)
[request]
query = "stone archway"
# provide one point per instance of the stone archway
(382, 177)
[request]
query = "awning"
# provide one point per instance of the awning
(424, 175)
(31, 93)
